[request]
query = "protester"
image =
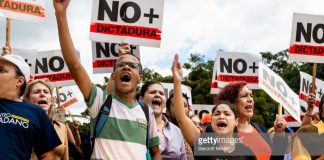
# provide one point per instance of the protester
(205, 122)
(170, 110)
(202, 114)
(170, 113)
(223, 122)
(24, 126)
(124, 134)
(309, 140)
(39, 92)
(171, 139)
(255, 136)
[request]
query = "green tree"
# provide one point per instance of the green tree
(199, 78)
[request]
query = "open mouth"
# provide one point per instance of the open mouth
(156, 102)
(42, 102)
(249, 107)
(125, 78)
(221, 125)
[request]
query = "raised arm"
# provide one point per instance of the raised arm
(75, 127)
(79, 74)
(311, 99)
(188, 128)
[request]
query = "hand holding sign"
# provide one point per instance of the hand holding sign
(6, 51)
(311, 99)
(280, 124)
(124, 48)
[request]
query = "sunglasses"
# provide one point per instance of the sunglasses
(132, 65)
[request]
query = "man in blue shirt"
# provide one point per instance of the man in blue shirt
(23, 126)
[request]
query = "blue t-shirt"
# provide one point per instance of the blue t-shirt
(24, 126)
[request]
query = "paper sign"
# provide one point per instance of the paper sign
(277, 88)
(104, 56)
(67, 96)
(137, 22)
(307, 38)
(25, 10)
(236, 66)
(305, 81)
(51, 65)
(214, 89)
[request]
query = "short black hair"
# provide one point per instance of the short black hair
(200, 114)
(168, 102)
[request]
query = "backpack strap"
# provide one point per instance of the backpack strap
(101, 120)
(146, 112)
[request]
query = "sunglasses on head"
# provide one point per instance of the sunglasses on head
(132, 65)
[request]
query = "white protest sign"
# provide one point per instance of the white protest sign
(25, 10)
(214, 89)
(307, 38)
(137, 22)
(305, 81)
(168, 90)
(28, 54)
(236, 66)
(291, 122)
(51, 65)
(104, 56)
(277, 88)
(67, 96)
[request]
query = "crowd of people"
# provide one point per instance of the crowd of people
(150, 127)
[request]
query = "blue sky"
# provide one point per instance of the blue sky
(189, 26)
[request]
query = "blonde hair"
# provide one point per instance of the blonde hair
(45, 82)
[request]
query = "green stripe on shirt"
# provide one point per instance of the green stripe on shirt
(124, 130)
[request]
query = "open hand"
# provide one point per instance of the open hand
(176, 69)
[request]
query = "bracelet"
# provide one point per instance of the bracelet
(308, 115)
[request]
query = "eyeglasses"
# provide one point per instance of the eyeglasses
(132, 65)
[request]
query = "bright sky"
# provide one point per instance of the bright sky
(189, 26)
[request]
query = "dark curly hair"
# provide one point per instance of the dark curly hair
(231, 91)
